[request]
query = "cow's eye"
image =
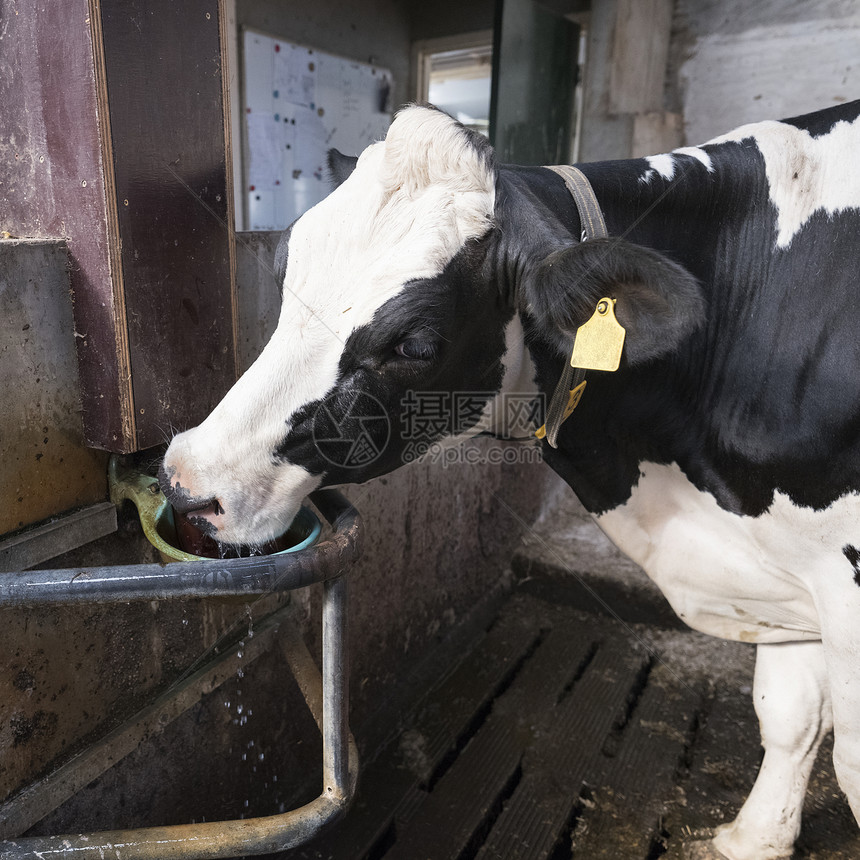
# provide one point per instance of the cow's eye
(420, 350)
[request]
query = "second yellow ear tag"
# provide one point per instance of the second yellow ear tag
(572, 403)
(599, 342)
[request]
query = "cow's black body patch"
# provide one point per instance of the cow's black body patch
(757, 399)
(822, 122)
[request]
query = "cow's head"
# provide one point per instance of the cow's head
(385, 292)
(399, 285)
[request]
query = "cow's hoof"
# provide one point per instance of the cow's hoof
(703, 850)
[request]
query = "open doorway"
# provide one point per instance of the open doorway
(455, 74)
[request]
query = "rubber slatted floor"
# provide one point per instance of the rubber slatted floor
(562, 734)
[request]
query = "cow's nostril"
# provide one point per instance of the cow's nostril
(211, 508)
(187, 505)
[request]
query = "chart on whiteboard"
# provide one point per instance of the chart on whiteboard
(299, 103)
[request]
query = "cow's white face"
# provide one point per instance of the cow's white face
(383, 295)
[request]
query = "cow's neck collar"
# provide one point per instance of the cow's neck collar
(590, 213)
(571, 383)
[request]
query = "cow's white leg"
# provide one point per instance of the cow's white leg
(792, 701)
(846, 745)
(841, 636)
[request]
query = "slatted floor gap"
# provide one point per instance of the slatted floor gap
(563, 735)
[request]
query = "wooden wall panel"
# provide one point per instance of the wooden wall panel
(52, 185)
(164, 87)
(44, 466)
(113, 137)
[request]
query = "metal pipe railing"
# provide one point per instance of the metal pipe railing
(235, 577)
(225, 839)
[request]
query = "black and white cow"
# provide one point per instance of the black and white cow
(723, 455)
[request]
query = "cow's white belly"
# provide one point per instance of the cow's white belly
(753, 579)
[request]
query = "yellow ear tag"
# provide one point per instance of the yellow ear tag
(572, 403)
(599, 342)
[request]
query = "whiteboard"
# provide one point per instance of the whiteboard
(298, 103)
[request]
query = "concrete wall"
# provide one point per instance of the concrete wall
(371, 31)
(737, 62)
(624, 110)
(434, 19)
(663, 73)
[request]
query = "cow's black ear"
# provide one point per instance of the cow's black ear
(658, 302)
(281, 254)
(340, 166)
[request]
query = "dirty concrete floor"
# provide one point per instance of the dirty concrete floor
(578, 720)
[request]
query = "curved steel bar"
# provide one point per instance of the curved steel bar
(242, 577)
(221, 839)
(230, 839)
